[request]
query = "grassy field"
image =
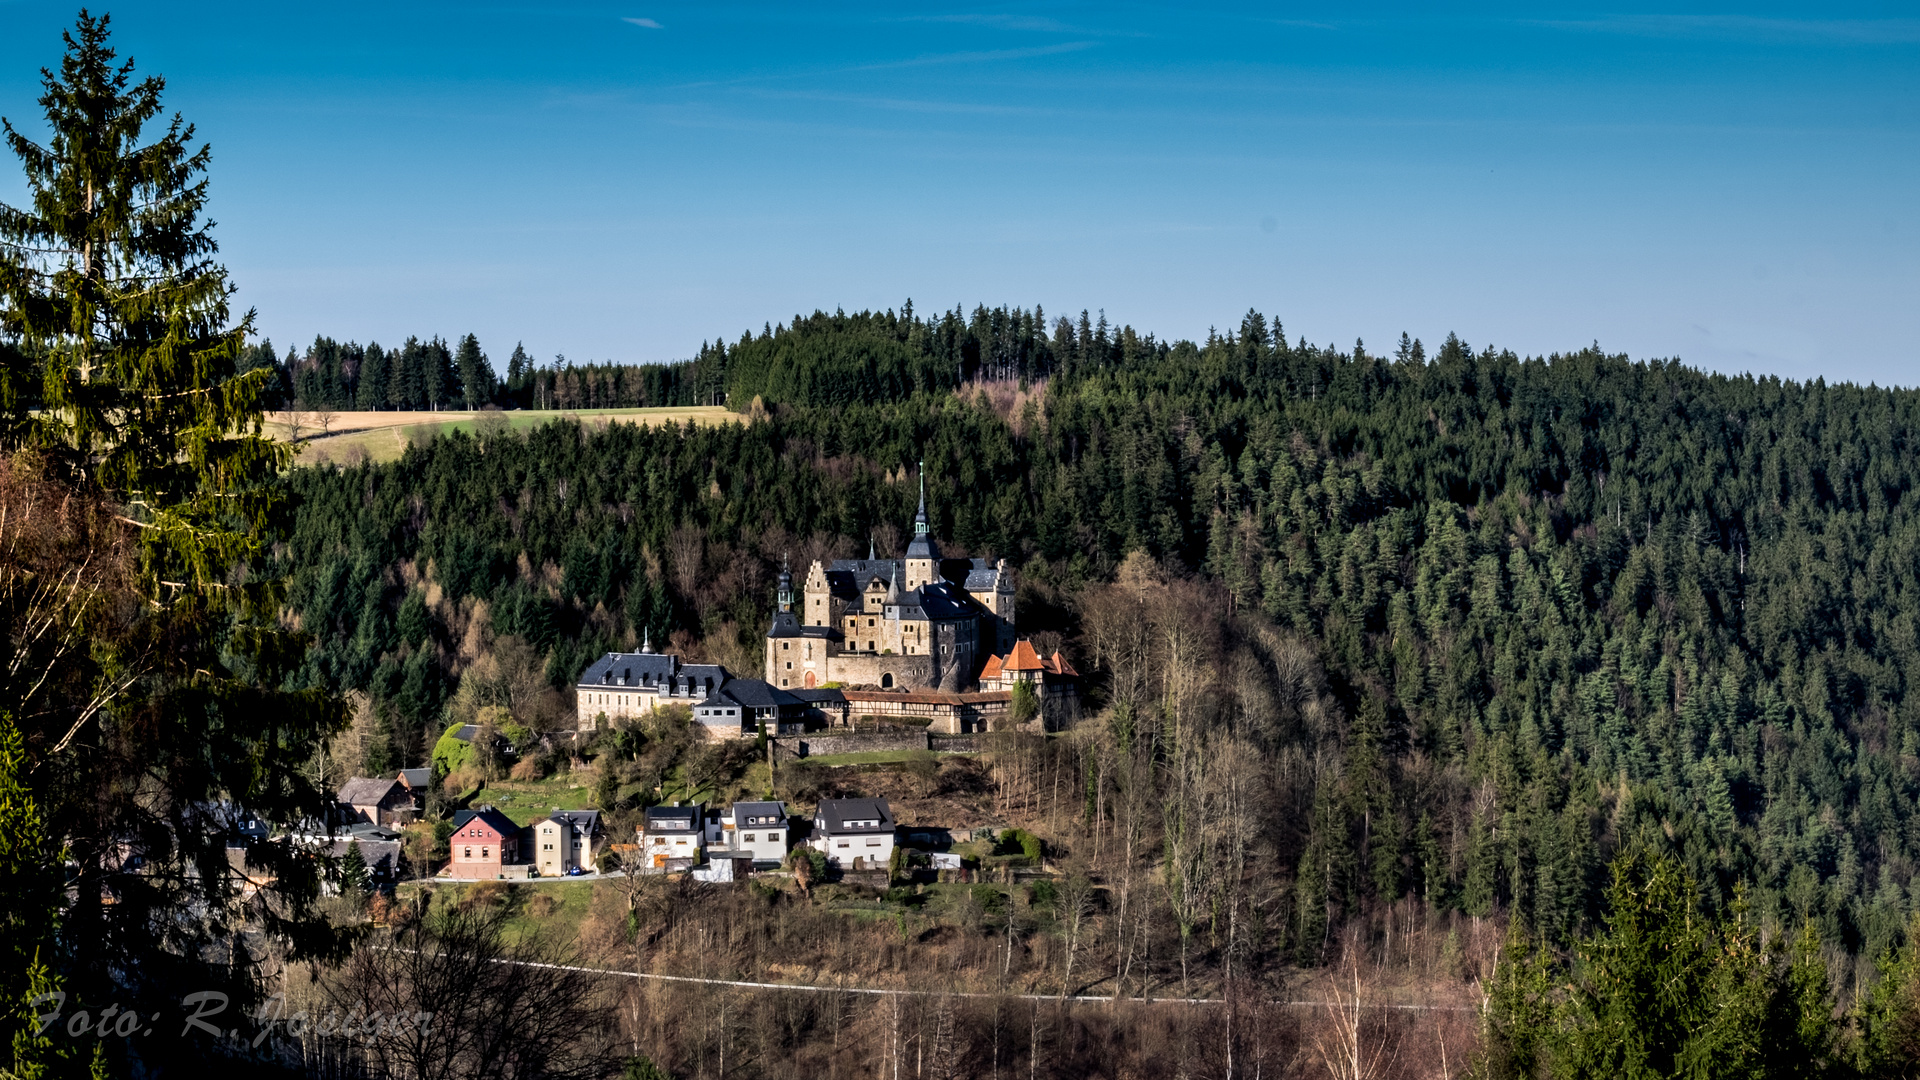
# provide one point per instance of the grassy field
(383, 436)
(527, 802)
(553, 907)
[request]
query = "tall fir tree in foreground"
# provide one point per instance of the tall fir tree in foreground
(140, 494)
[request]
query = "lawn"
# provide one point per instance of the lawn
(384, 436)
(525, 802)
(550, 906)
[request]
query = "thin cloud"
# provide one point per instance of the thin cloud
(648, 23)
(986, 56)
(1811, 31)
(1033, 24)
(1038, 23)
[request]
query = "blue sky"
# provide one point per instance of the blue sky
(621, 182)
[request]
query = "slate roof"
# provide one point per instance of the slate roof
(417, 779)
(638, 669)
(382, 856)
(833, 815)
(494, 819)
(820, 697)
(981, 578)
(704, 677)
(748, 815)
(758, 694)
(848, 578)
(366, 791)
(923, 547)
(587, 821)
(668, 819)
(786, 624)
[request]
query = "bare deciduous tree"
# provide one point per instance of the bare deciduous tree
(1354, 1043)
(446, 996)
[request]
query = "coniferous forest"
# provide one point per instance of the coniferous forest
(1478, 624)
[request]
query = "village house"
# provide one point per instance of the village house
(417, 781)
(565, 841)
(854, 834)
(750, 830)
(485, 845)
(376, 802)
(673, 837)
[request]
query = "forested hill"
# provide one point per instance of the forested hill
(1560, 602)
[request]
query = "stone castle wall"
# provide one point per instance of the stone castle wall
(867, 670)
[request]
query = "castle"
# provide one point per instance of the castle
(918, 623)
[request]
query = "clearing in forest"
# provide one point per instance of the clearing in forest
(342, 437)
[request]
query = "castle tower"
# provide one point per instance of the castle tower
(923, 555)
(785, 596)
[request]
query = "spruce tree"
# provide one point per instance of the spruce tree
(354, 878)
(475, 373)
(375, 371)
(121, 372)
(519, 366)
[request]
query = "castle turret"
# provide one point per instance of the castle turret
(923, 555)
(785, 595)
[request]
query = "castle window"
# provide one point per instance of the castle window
(886, 681)
(789, 665)
(785, 646)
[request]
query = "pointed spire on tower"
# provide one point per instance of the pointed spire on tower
(785, 595)
(870, 555)
(920, 519)
(646, 646)
(893, 586)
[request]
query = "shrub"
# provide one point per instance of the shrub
(450, 754)
(1020, 841)
(529, 770)
(484, 894)
(543, 905)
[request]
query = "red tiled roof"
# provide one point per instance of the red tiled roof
(992, 670)
(928, 697)
(1058, 665)
(1022, 658)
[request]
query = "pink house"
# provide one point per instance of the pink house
(485, 845)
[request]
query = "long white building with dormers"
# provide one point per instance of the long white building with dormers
(632, 684)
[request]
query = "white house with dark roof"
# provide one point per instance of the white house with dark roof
(673, 837)
(750, 830)
(854, 834)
